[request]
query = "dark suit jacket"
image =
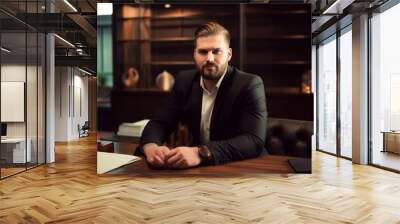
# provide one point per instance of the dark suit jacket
(238, 120)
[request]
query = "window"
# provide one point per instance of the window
(327, 95)
(385, 87)
(346, 92)
(22, 74)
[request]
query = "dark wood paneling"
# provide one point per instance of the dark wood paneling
(290, 106)
(135, 105)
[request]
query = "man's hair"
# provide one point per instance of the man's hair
(209, 29)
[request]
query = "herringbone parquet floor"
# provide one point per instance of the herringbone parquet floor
(70, 191)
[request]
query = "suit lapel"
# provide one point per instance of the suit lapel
(221, 95)
(195, 99)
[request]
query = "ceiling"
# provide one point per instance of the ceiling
(76, 24)
(39, 6)
(332, 15)
(79, 27)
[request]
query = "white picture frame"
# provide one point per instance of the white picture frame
(12, 101)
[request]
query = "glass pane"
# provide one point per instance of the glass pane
(327, 96)
(32, 84)
(31, 97)
(22, 63)
(314, 90)
(386, 88)
(13, 86)
(345, 94)
(41, 99)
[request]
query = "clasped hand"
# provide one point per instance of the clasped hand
(176, 158)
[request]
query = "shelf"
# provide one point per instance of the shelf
(169, 39)
(219, 15)
(173, 39)
(168, 26)
(156, 63)
(177, 17)
(253, 10)
(280, 63)
(283, 90)
(172, 63)
(165, 39)
(136, 65)
(141, 90)
(281, 37)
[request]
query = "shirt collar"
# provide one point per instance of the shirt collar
(216, 85)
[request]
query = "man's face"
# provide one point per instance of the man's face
(211, 56)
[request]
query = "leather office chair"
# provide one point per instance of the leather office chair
(84, 130)
(284, 137)
(289, 137)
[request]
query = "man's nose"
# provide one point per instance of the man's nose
(210, 56)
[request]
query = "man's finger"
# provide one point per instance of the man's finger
(165, 150)
(160, 154)
(150, 159)
(170, 153)
(158, 160)
(180, 164)
(173, 159)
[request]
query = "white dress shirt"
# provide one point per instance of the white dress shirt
(207, 107)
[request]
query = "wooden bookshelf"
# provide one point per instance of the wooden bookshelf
(152, 38)
(274, 43)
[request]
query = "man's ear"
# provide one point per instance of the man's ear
(229, 54)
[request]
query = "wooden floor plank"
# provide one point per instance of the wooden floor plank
(70, 191)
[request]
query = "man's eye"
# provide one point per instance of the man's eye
(217, 51)
(202, 52)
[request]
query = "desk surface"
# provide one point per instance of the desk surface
(13, 140)
(261, 165)
(118, 138)
(391, 132)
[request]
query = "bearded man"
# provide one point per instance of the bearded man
(224, 109)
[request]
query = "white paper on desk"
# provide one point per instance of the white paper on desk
(108, 161)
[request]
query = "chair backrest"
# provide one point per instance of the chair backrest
(86, 125)
(289, 137)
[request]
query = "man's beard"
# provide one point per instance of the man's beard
(210, 71)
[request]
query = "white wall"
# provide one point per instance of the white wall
(62, 81)
(33, 127)
(15, 72)
(81, 82)
(71, 93)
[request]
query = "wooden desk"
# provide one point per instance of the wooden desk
(261, 165)
(391, 141)
(14, 151)
(118, 138)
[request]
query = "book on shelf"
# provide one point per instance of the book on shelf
(134, 129)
